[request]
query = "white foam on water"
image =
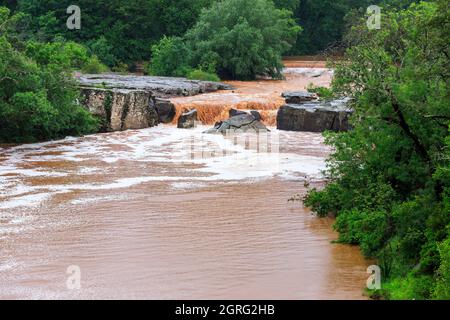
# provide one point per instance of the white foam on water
(89, 200)
(217, 157)
(309, 72)
(36, 173)
(8, 265)
(31, 200)
(188, 185)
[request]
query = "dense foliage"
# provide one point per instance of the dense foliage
(325, 22)
(115, 30)
(238, 39)
(242, 38)
(123, 31)
(390, 176)
(37, 93)
(171, 57)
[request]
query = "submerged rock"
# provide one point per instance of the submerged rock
(239, 123)
(187, 120)
(315, 116)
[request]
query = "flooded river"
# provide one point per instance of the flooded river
(164, 213)
(262, 95)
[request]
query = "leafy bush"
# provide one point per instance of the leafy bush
(389, 177)
(94, 66)
(442, 289)
(243, 38)
(102, 48)
(65, 55)
(121, 68)
(170, 57)
(199, 74)
(322, 92)
(368, 229)
(37, 93)
(411, 287)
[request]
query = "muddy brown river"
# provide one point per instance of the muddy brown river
(164, 213)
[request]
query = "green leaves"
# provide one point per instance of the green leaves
(442, 289)
(37, 93)
(4, 15)
(170, 58)
(247, 37)
(128, 26)
(389, 176)
(239, 39)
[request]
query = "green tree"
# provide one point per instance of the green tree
(242, 38)
(325, 22)
(102, 48)
(170, 58)
(442, 290)
(124, 28)
(37, 94)
(389, 181)
(291, 5)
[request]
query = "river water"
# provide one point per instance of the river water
(262, 95)
(164, 213)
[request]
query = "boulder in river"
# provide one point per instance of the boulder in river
(187, 120)
(120, 109)
(298, 97)
(315, 116)
(166, 110)
(256, 114)
(239, 123)
(235, 112)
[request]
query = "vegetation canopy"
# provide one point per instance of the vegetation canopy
(37, 93)
(389, 177)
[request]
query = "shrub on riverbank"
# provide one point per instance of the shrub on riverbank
(170, 58)
(199, 74)
(390, 177)
(37, 93)
(94, 66)
(65, 55)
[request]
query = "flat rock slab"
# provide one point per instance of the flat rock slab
(161, 87)
(315, 116)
